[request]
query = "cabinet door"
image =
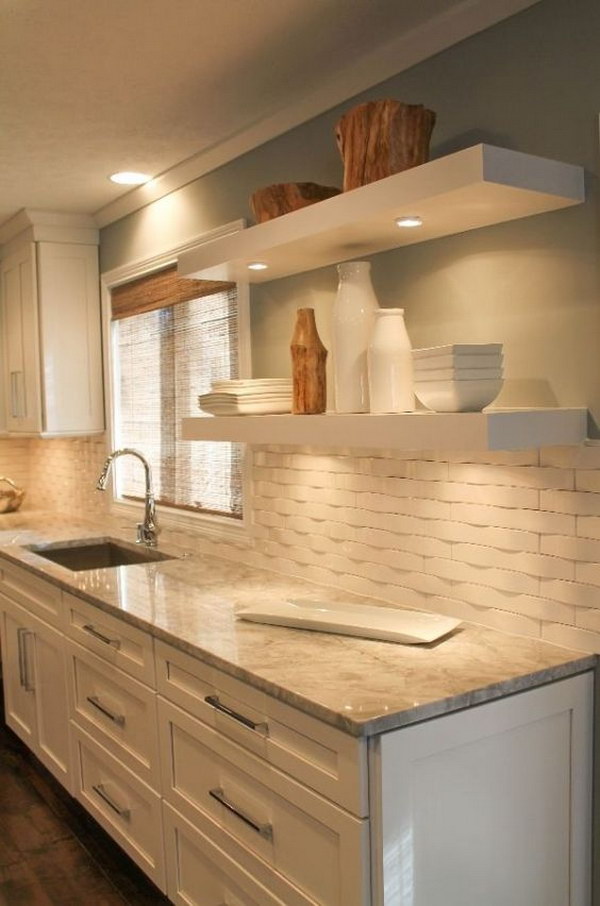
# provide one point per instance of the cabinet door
(35, 687)
(21, 346)
(52, 717)
(17, 669)
(69, 309)
(491, 805)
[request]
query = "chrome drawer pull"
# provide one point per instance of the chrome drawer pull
(121, 812)
(219, 706)
(116, 643)
(265, 830)
(118, 719)
(24, 680)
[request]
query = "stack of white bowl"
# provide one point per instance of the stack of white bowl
(460, 377)
(249, 396)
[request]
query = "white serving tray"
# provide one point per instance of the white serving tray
(412, 627)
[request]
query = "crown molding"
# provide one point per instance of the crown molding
(50, 226)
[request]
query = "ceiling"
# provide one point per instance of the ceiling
(88, 87)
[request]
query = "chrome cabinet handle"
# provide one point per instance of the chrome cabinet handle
(116, 643)
(13, 394)
(118, 719)
(17, 395)
(265, 830)
(124, 813)
(24, 678)
(245, 721)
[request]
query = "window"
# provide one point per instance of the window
(171, 338)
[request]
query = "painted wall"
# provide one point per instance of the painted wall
(531, 83)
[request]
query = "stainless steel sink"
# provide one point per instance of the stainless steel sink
(97, 553)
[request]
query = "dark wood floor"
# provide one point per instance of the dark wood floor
(51, 852)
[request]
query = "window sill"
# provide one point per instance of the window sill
(217, 528)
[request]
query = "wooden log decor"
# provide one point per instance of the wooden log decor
(283, 197)
(308, 366)
(380, 138)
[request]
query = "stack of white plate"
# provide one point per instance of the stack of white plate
(460, 377)
(258, 396)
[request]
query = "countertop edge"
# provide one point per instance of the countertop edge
(359, 729)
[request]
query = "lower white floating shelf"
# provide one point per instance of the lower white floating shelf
(496, 429)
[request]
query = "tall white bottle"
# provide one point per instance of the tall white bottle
(353, 315)
(391, 380)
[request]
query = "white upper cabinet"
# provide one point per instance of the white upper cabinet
(52, 369)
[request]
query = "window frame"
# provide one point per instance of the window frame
(223, 527)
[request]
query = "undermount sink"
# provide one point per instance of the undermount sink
(97, 553)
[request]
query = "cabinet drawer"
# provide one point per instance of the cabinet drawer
(201, 874)
(259, 815)
(38, 596)
(112, 639)
(116, 710)
(329, 761)
(125, 807)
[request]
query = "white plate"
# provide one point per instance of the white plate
(412, 627)
(458, 361)
(459, 349)
(243, 407)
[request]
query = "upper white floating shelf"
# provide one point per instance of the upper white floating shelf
(477, 187)
(496, 429)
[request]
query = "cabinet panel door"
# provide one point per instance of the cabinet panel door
(19, 699)
(21, 341)
(259, 815)
(490, 805)
(201, 874)
(51, 700)
(70, 337)
(125, 807)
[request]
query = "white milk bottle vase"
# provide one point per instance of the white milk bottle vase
(352, 324)
(391, 381)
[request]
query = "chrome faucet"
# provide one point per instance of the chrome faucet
(147, 531)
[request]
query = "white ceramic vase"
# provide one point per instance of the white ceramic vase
(391, 378)
(353, 315)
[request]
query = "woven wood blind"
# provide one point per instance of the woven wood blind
(160, 289)
(163, 358)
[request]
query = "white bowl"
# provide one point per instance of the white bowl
(458, 374)
(457, 396)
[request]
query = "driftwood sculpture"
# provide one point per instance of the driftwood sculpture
(281, 198)
(380, 138)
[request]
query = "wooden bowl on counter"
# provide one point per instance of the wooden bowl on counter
(11, 498)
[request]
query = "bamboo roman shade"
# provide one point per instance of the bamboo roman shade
(171, 338)
(158, 290)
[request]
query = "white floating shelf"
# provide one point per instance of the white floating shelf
(477, 187)
(497, 429)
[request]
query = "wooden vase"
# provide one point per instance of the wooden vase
(380, 138)
(308, 366)
(281, 198)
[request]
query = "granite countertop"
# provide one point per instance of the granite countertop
(362, 687)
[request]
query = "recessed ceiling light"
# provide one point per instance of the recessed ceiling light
(411, 221)
(257, 266)
(129, 178)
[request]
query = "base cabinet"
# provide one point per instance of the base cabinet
(488, 806)
(226, 798)
(35, 687)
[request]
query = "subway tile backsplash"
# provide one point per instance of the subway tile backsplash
(508, 540)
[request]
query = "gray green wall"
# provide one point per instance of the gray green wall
(531, 83)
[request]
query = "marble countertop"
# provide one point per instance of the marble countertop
(362, 687)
